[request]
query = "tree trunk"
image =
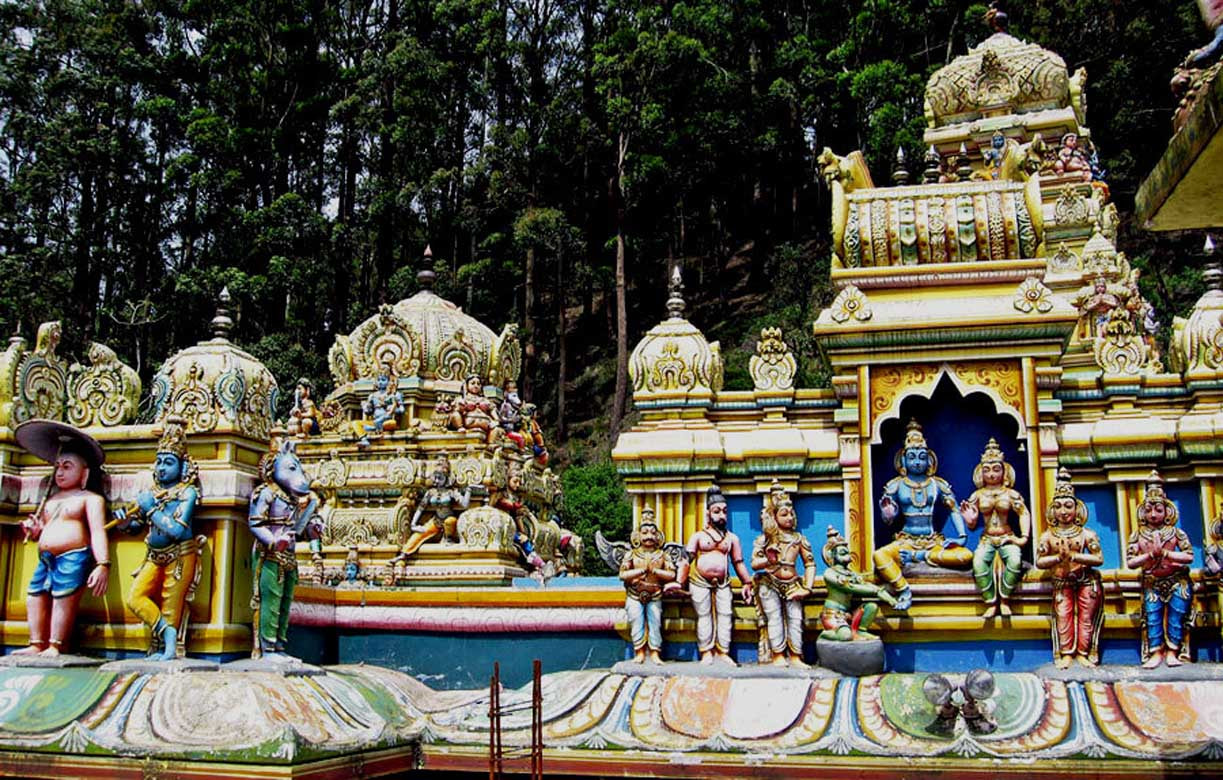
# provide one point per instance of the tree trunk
(621, 394)
(562, 351)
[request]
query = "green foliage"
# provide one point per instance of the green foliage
(595, 500)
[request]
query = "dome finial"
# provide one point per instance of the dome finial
(221, 323)
(675, 303)
(426, 276)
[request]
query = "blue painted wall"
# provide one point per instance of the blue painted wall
(1188, 500)
(1101, 501)
(956, 429)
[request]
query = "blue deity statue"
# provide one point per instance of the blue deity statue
(167, 578)
(914, 495)
(382, 408)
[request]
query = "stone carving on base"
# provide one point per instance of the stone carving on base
(773, 366)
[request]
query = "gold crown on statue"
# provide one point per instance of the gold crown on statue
(1063, 489)
(835, 540)
(1155, 487)
(914, 436)
(992, 452)
(174, 437)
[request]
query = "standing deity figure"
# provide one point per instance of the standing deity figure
(533, 435)
(303, 417)
(69, 526)
(995, 500)
(914, 495)
(839, 622)
(508, 501)
(1164, 553)
(994, 153)
(1072, 552)
(443, 502)
(382, 408)
(472, 411)
(510, 414)
(712, 550)
(282, 510)
(779, 589)
(166, 580)
(645, 571)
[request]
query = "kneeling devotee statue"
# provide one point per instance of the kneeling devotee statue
(1072, 552)
(712, 551)
(645, 571)
(844, 586)
(168, 576)
(779, 589)
(69, 526)
(914, 495)
(1164, 553)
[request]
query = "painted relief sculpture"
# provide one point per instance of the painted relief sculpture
(713, 550)
(993, 502)
(303, 417)
(510, 501)
(1072, 552)
(442, 502)
(841, 622)
(69, 526)
(282, 510)
(167, 578)
(382, 408)
(1164, 553)
(472, 411)
(645, 571)
(914, 495)
(779, 589)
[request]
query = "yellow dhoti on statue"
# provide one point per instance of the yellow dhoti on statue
(163, 583)
(887, 558)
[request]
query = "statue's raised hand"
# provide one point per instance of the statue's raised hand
(970, 513)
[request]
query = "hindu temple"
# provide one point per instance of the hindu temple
(991, 546)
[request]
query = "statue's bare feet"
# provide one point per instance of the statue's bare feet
(798, 663)
(1004, 609)
(989, 613)
(1062, 662)
(707, 658)
(639, 657)
(1156, 657)
(33, 649)
(779, 660)
(726, 659)
(51, 652)
(655, 658)
(1084, 661)
(1171, 659)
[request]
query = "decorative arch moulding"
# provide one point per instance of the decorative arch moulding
(1000, 380)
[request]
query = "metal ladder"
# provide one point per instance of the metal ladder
(497, 755)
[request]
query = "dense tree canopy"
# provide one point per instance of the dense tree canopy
(554, 153)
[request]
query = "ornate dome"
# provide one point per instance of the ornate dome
(215, 386)
(429, 337)
(674, 363)
(1003, 75)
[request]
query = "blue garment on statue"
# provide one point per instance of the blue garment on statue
(61, 575)
(1177, 606)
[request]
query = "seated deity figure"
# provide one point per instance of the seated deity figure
(510, 414)
(382, 408)
(69, 526)
(1164, 553)
(167, 578)
(841, 622)
(645, 571)
(303, 417)
(1071, 551)
(509, 501)
(914, 495)
(779, 589)
(1071, 159)
(443, 502)
(994, 501)
(473, 411)
(712, 551)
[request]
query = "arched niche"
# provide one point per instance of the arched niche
(957, 426)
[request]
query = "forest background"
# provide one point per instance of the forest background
(559, 156)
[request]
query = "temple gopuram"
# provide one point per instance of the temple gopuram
(990, 548)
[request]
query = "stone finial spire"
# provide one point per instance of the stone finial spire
(1213, 273)
(964, 171)
(221, 323)
(900, 173)
(675, 303)
(426, 276)
(934, 164)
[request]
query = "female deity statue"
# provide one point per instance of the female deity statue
(1072, 552)
(443, 502)
(779, 589)
(996, 499)
(1164, 553)
(472, 411)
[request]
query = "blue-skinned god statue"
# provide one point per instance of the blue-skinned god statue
(382, 408)
(168, 577)
(914, 496)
